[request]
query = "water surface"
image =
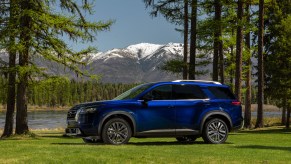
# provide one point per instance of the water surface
(57, 119)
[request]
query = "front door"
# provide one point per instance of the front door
(157, 115)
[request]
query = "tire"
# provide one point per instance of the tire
(186, 139)
(116, 131)
(92, 140)
(215, 131)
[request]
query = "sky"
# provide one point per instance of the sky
(133, 25)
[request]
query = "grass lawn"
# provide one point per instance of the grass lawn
(269, 145)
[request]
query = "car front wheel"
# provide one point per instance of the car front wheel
(215, 131)
(116, 131)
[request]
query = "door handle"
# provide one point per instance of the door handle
(171, 106)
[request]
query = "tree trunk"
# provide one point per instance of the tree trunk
(288, 117)
(215, 68)
(218, 8)
(248, 113)
(231, 60)
(260, 121)
(239, 47)
(21, 104)
(283, 120)
(186, 29)
(9, 121)
(192, 70)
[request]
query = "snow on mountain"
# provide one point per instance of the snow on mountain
(138, 51)
(136, 63)
(143, 49)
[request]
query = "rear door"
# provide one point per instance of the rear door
(189, 104)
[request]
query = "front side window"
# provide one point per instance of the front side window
(163, 92)
(188, 92)
(132, 93)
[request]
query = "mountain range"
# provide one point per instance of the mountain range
(133, 64)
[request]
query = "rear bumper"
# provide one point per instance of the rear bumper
(239, 126)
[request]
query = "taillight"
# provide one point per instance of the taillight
(237, 103)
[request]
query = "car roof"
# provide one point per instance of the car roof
(196, 82)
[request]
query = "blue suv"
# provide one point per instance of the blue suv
(182, 109)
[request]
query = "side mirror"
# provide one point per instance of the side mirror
(146, 99)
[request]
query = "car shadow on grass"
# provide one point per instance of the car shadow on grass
(162, 143)
(265, 147)
(132, 143)
(146, 143)
(266, 131)
(76, 144)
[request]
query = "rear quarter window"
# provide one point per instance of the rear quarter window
(221, 93)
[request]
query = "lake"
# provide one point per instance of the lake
(57, 119)
(42, 119)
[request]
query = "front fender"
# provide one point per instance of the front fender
(120, 113)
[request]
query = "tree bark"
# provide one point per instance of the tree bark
(231, 79)
(260, 121)
(248, 100)
(218, 10)
(216, 43)
(288, 117)
(283, 120)
(239, 47)
(9, 121)
(21, 102)
(186, 29)
(192, 69)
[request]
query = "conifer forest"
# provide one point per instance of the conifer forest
(249, 42)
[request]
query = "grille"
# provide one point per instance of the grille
(71, 114)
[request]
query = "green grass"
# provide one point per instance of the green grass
(270, 145)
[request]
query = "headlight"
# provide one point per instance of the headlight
(87, 110)
(84, 111)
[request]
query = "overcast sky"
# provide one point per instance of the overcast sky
(133, 25)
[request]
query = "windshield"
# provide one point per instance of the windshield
(132, 93)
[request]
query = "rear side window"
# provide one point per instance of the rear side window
(221, 92)
(188, 92)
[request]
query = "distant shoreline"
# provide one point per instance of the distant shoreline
(35, 108)
(267, 108)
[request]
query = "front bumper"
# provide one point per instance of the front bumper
(73, 132)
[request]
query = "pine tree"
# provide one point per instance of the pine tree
(10, 9)
(278, 59)
(260, 120)
(39, 31)
(247, 117)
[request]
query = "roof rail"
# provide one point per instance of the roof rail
(203, 81)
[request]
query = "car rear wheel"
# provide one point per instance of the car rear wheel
(116, 131)
(186, 139)
(215, 131)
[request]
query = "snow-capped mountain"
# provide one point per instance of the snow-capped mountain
(133, 64)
